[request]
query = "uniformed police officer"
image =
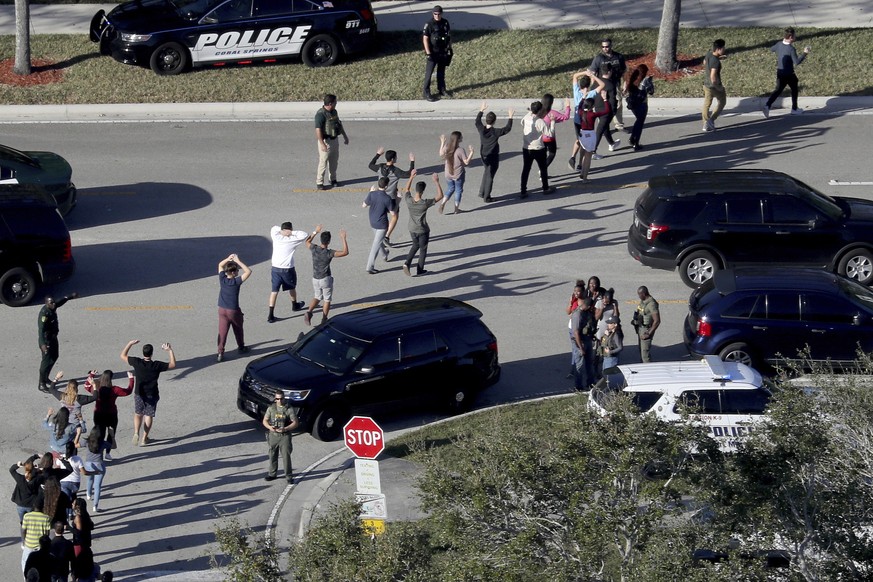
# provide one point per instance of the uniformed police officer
(647, 318)
(437, 40)
(47, 332)
(279, 421)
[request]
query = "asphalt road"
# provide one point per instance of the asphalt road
(162, 203)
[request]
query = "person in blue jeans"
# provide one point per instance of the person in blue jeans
(612, 342)
(456, 159)
(380, 207)
(95, 469)
(582, 325)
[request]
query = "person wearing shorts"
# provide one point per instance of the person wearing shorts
(282, 273)
(588, 133)
(145, 398)
(322, 280)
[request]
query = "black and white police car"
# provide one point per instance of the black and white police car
(171, 35)
(728, 398)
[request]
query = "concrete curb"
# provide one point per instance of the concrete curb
(377, 110)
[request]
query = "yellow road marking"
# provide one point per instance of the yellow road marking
(141, 308)
(308, 190)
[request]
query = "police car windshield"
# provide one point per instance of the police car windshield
(330, 349)
(195, 8)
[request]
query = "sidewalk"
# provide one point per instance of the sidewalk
(533, 14)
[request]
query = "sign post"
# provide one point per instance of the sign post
(366, 440)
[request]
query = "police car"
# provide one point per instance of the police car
(171, 35)
(728, 398)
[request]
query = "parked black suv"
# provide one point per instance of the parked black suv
(432, 349)
(758, 315)
(706, 221)
(34, 243)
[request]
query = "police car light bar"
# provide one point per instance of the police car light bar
(716, 367)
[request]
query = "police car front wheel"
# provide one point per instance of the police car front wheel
(320, 51)
(170, 58)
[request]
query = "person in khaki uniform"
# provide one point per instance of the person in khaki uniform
(279, 421)
(647, 318)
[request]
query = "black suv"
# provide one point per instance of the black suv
(432, 349)
(706, 221)
(758, 315)
(34, 243)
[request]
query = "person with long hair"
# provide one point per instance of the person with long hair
(73, 401)
(81, 526)
(456, 159)
(552, 117)
(612, 342)
(27, 485)
(639, 87)
(61, 430)
(94, 469)
(105, 411)
(587, 134)
(575, 298)
(582, 90)
(55, 502)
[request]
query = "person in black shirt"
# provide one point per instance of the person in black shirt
(490, 147)
(437, 40)
(229, 313)
(146, 395)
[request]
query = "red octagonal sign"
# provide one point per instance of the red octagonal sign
(364, 437)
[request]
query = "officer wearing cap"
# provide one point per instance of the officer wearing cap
(47, 334)
(437, 40)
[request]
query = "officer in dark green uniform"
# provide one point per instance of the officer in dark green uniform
(47, 331)
(279, 421)
(647, 318)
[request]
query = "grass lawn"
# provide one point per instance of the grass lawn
(487, 65)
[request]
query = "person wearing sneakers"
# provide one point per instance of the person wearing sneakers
(279, 421)
(533, 129)
(146, 395)
(582, 90)
(419, 230)
(489, 149)
(322, 280)
(587, 134)
(390, 170)
(105, 410)
(712, 86)
(611, 98)
(616, 63)
(380, 209)
(282, 273)
(786, 60)
(229, 313)
(456, 159)
(328, 129)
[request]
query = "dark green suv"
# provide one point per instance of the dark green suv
(433, 350)
(35, 244)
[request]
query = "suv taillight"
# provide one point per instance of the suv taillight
(654, 230)
(492, 346)
(366, 14)
(68, 250)
(704, 328)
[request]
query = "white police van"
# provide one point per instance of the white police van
(171, 35)
(727, 397)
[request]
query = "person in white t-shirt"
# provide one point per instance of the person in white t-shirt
(283, 275)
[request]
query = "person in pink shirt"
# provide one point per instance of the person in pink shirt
(552, 117)
(456, 159)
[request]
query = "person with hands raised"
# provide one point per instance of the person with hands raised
(146, 395)
(489, 147)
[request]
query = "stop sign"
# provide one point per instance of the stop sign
(364, 437)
